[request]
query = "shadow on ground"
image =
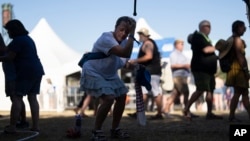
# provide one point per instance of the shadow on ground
(54, 126)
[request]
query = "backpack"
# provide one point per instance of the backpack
(225, 63)
(225, 47)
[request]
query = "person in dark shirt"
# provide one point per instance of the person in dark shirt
(29, 71)
(203, 67)
(149, 57)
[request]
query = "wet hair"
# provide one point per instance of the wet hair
(124, 19)
(236, 24)
(16, 28)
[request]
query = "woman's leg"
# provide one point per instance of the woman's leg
(34, 108)
(234, 102)
(15, 111)
(102, 111)
(23, 113)
(85, 105)
(245, 101)
(118, 110)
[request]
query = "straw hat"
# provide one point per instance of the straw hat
(224, 46)
(144, 31)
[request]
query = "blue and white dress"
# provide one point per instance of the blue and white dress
(100, 76)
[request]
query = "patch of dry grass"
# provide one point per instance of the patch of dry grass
(54, 126)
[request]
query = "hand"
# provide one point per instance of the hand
(129, 66)
(132, 62)
(132, 26)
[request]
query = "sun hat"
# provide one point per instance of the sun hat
(144, 31)
(224, 46)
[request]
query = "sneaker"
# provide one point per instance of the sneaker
(132, 115)
(22, 125)
(98, 135)
(167, 115)
(213, 116)
(156, 117)
(119, 134)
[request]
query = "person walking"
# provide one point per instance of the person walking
(180, 66)
(203, 67)
(149, 57)
(29, 71)
(100, 76)
(238, 75)
(83, 105)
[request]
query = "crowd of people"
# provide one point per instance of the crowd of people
(219, 94)
(100, 80)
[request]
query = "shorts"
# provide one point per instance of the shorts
(218, 91)
(156, 87)
(180, 84)
(28, 87)
(204, 81)
(10, 87)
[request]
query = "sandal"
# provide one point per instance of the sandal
(119, 133)
(98, 135)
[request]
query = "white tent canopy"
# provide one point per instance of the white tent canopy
(52, 51)
(58, 59)
(141, 23)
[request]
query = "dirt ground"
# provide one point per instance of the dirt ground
(54, 126)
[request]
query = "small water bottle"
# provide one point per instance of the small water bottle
(78, 123)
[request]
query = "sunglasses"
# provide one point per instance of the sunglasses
(206, 26)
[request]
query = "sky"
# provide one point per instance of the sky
(80, 22)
